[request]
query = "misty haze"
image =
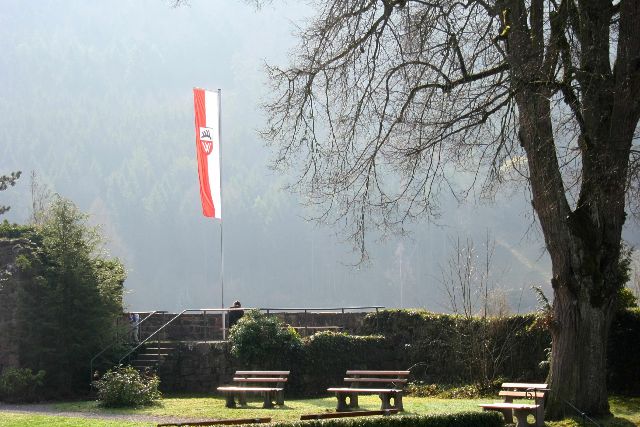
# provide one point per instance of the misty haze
(96, 99)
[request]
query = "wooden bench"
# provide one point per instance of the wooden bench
(326, 415)
(270, 384)
(520, 411)
(376, 382)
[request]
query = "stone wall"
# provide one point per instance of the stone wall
(203, 366)
(197, 367)
(200, 363)
(11, 278)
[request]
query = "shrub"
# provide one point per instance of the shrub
(467, 391)
(20, 385)
(626, 299)
(462, 419)
(259, 341)
(622, 357)
(125, 386)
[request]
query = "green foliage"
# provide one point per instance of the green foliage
(5, 182)
(440, 348)
(15, 231)
(336, 352)
(626, 299)
(20, 385)
(462, 419)
(124, 386)
(624, 296)
(467, 391)
(260, 341)
(622, 356)
(69, 300)
(23, 262)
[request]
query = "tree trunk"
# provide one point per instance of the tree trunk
(578, 369)
(583, 240)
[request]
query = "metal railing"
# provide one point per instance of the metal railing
(118, 340)
(583, 416)
(160, 329)
(342, 310)
(306, 311)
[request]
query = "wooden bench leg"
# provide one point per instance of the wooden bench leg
(521, 417)
(353, 401)
(397, 401)
(230, 401)
(268, 400)
(342, 402)
(385, 399)
(242, 399)
(540, 416)
(280, 398)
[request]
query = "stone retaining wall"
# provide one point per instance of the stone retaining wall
(197, 367)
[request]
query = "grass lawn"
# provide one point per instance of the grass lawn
(626, 411)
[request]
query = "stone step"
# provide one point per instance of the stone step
(155, 349)
(151, 356)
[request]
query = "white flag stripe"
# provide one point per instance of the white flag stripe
(211, 108)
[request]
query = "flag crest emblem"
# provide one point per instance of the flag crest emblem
(206, 139)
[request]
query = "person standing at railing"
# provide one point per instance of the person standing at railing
(134, 320)
(235, 313)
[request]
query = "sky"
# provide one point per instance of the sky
(96, 99)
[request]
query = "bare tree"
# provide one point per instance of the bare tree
(467, 279)
(387, 102)
(472, 293)
(40, 199)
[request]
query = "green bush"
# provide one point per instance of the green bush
(626, 299)
(20, 385)
(263, 342)
(468, 391)
(623, 370)
(125, 386)
(462, 419)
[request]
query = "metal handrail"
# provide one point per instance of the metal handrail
(141, 343)
(131, 329)
(307, 309)
(582, 415)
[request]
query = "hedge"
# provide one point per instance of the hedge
(441, 347)
(434, 346)
(462, 419)
(327, 356)
(623, 355)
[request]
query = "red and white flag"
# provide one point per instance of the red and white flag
(207, 109)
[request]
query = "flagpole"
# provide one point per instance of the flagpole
(221, 228)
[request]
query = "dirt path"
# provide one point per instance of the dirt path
(49, 409)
